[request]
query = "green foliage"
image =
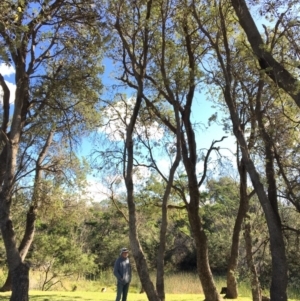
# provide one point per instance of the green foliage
(106, 234)
(59, 249)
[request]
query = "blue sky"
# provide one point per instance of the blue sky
(202, 111)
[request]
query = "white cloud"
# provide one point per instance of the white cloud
(6, 71)
(118, 115)
(96, 191)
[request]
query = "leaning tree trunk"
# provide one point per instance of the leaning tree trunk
(136, 248)
(139, 257)
(279, 264)
(160, 283)
(232, 288)
(276, 287)
(189, 156)
(190, 160)
(275, 70)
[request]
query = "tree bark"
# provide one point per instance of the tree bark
(19, 271)
(279, 264)
(189, 156)
(232, 288)
(136, 248)
(203, 267)
(32, 212)
(255, 285)
(20, 283)
(160, 283)
(24, 246)
(138, 72)
(273, 69)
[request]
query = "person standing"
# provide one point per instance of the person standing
(122, 271)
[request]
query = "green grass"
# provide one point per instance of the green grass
(178, 287)
(106, 296)
(96, 296)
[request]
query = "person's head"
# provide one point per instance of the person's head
(124, 252)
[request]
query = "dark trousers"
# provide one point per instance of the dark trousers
(122, 291)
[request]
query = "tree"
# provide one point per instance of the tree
(38, 39)
(222, 45)
(174, 93)
(120, 14)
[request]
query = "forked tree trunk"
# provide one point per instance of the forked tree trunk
(279, 264)
(19, 270)
(24, 246)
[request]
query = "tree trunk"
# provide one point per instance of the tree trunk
(18, 270)
(3, 157)
(232, 288)
(255, 285)
(189, 157)
(203, 267)
(20, 283)
(279, 264)
(140, 260)
(160, 284)
(24, 246)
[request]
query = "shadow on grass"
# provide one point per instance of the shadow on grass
(60, 297)
(63, 298)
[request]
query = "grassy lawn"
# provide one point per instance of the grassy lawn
(179, 287)
(96, 296)
(107, 296)
(93, 296)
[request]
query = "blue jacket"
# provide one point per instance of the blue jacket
(122, 270)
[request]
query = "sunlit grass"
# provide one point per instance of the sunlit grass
(107, 296)
(178, 287)
(93, 296)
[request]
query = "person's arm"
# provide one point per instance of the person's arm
(117, 270)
